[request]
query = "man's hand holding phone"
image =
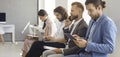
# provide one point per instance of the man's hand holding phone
(69, 36)
(82, 43)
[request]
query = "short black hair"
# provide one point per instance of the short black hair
(96, 3)
(61, 10)
(42, 13)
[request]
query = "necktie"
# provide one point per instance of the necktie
(91, 31)
(71, 27)
(44, 25)
(67, 44)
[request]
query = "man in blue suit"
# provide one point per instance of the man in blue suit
(100, 35)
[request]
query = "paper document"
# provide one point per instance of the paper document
(25, 27)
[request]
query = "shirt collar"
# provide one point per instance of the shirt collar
(98, 19)
(75, 23)
(45, 20)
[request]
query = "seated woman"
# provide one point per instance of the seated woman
(47, 27)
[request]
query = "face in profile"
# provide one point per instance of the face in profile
(42, 18)
(92, 11)
(58, 16)
(74, 12)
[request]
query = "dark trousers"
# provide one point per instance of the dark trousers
(37, 48)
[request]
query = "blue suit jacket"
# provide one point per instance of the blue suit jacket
(103, 37)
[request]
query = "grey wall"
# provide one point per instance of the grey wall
(19, 12)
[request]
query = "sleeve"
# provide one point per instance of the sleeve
(108, 40)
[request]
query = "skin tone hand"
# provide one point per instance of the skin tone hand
(58, 50)
(82, 43)
(48, 38)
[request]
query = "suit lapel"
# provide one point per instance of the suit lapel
(96, 26)
(76, 28)
(88, 31)
(98, 23)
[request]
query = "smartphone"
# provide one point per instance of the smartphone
(69, 36)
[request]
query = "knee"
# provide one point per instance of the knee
(45, 53)
(37, 43)
(56, 55)
(48, 52)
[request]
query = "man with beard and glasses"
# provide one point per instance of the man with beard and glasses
(79, 27)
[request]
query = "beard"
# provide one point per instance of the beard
(74, 17)
(95, 17)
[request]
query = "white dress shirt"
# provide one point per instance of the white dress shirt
(60, 33)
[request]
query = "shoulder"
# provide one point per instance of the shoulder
(83, 23)
(107, 21)
(49, 21)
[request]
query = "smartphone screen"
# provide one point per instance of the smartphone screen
(69, 36)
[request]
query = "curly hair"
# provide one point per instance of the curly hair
(61, 11)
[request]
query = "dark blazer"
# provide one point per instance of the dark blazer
(66, 31)
(80, 30)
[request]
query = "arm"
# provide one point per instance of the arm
(66, 51)
(109, 35)
(60, 40)
(70, 51)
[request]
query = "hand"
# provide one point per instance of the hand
(58, 51)
(48, 38)
(82, 43)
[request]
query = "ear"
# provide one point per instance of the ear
(99, 7)
(80, 10)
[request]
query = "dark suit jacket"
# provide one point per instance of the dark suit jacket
(66, 31)
(80, 30)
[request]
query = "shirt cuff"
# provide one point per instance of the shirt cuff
(66, 27)
(62, 51)
(88, 47)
